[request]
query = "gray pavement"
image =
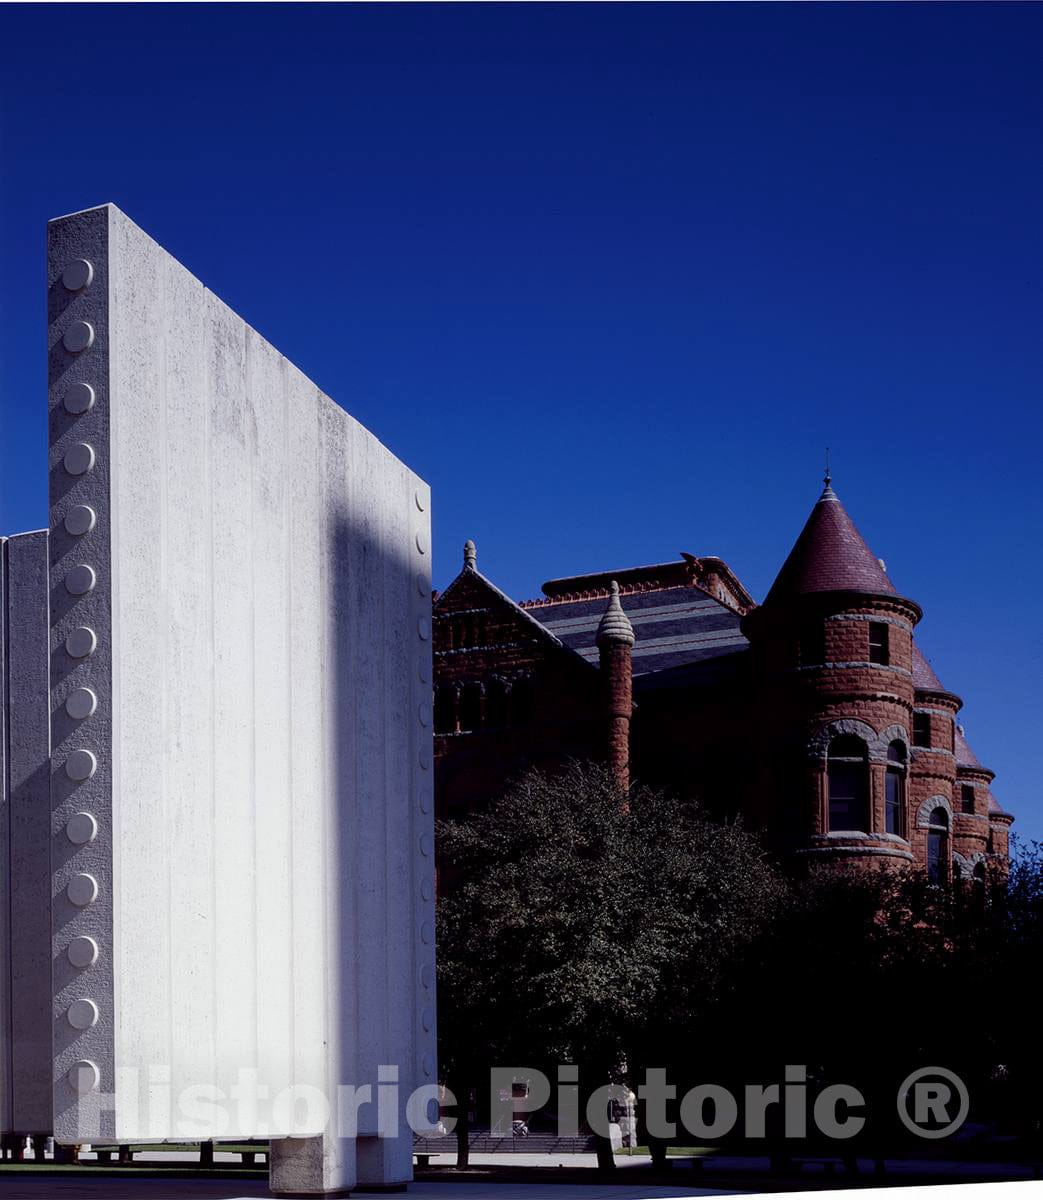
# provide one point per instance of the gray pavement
(155, 1187)
(136, 1185)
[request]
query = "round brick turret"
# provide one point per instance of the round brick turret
(615, 640)
(832, 658)
(980, 843)
(933, 787)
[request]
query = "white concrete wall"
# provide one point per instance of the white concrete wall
(25, 827)
(262, 732)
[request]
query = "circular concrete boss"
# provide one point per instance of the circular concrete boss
(83, 1014)
(78, 336)
(81, 828)
(83, 1076)
(77, 275)
(80, 520)
(82, 889)
(80, 765)
(81, 703)
(81, 642)
(79, 398)
(79, 459)
(80, 580)
(82, 952)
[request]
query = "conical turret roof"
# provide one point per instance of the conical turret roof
(830, 556)
(924, 677)
(965, 756)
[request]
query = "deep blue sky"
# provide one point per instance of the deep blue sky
(610, 277)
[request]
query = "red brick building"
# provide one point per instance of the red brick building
(813, 716)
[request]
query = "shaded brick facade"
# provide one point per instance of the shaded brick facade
(812, 716)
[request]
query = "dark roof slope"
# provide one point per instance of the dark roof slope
(965, 756)
(830, 556)
(672, 626)
(996, 809)
(924, 677)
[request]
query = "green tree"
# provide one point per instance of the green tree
(578, 923)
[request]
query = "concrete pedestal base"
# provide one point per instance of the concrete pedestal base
(384, 1164)
(312, 1166)
(321, 1166)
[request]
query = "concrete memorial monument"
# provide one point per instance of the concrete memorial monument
(25, 835)
(240, 828)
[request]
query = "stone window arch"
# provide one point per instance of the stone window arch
(894, 733)
(818, 746)
(924, 812)
(847, 782)
(876, 743)
(939, 823)
(894, 788)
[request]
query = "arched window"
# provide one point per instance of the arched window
(894, 795)
(471, 707)
(445, 709)
(938, 847)
(848, 784)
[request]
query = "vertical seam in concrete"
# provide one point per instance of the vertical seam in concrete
(255, 882)
(352, 631)
(389, 805)
(288, 556)
(208, 346)
(162, 266)
(112, 633)
(323, 533)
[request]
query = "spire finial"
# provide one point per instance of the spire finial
(827, 479)
(470, 555)
(615, 625)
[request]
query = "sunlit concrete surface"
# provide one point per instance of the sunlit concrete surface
(241, 685)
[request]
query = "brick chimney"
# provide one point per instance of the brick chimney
(615, 637)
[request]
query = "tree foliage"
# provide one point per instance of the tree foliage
(576, 919)
(578, 923)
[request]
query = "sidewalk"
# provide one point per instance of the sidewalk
(155, 1187)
